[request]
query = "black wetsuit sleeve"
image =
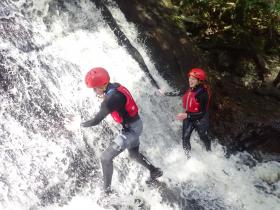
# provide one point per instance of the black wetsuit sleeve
(179, 92)
(103, 112)
(111, 103)
(202, 98)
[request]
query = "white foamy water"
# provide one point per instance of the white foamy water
(49, 162)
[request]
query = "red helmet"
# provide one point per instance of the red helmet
(197, 73)
(97, 77)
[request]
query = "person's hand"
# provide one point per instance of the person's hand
(72, 122)
(181, 116)
(84, 124)
(160, 92)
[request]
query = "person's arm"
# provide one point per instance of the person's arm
(111, 103)
(103, 112)
(203, 101)
(174, 93)
(179, 92)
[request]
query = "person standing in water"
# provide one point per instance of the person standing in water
(195, 104)
(118, 102)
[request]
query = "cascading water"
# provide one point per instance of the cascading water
(46, 49)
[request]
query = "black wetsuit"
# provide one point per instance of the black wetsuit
(198, 120)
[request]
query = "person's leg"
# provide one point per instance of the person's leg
(202, 127)
(132, 139)
(187, 131)
(107, 165)
(140, 158)
(206, 140)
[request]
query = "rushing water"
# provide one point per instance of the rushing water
(46, 163)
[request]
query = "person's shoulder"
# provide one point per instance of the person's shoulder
(202, 92)
(116, 96)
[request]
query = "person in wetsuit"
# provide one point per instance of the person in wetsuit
(195, 104)
(118, 102)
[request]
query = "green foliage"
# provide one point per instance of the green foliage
(254, 24)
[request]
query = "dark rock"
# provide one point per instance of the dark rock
(259, 137)
(173, 52)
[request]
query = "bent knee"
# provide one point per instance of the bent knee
(133, 155)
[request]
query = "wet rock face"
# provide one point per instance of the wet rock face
(173, 52)
(244, 121)
(260, 137)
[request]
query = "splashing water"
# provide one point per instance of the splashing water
(49, 162)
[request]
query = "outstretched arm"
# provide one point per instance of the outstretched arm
(103, 112)
(111, 103)
(179, 92)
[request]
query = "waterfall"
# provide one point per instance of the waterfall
(47, 47)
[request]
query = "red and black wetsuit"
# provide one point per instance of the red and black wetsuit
(198, 116)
